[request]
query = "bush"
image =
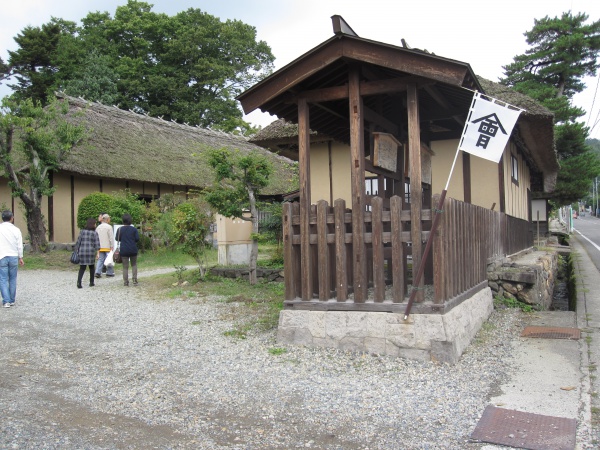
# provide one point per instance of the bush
(91, 206)
(191, 224)
(126, 202)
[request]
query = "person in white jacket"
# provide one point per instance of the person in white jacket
(107, 243)
(11, 255)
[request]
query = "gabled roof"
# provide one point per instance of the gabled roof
(325, 68)
(130, 146)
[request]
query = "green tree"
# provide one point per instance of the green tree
(95, 80)
(238, 181)
(563, 51)
(188, 68)
(191, 224)
(34, 141)
(34, 64)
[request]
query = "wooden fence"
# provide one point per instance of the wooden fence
(467, 238)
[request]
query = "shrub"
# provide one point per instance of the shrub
(191, 224)
(91, 206)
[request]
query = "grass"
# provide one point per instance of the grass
(512, 303)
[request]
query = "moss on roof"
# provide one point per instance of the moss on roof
(131, 146)
(509, 95)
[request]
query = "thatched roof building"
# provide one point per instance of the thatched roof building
(126, 145)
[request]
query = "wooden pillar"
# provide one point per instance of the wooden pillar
(416, 196)
(304, 168)
(357, 170)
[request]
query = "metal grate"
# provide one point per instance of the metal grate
(551, 333)
(525, 430)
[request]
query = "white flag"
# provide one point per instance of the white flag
(488, 128)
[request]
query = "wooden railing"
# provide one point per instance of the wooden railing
(467, 238)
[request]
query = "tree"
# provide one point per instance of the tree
(563, 51)
(188, 68)
(95, 80)
(191, 224)
(34, 141)
(34, 63)
(238, 181)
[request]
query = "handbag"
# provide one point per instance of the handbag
(75, 257)
(117, 256)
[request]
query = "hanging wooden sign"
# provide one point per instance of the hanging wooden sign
(385, 151)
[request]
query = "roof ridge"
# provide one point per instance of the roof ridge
(172, 122)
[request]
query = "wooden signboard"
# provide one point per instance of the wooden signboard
(385, 154)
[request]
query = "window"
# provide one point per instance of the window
(514, 169)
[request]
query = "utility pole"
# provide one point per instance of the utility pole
(597, 209)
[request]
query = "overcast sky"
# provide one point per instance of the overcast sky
(487, 35)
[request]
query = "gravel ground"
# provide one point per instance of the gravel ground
(118, 367)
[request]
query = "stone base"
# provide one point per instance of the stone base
(436, 337)
(234, 254)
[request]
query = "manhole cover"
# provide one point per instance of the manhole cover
(551, 333)
(525, 430)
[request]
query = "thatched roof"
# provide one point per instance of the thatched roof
(130, 146)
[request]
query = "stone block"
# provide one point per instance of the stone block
(351, 344)
(375, 345)
(444, 352)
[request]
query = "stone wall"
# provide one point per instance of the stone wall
(438, 337)
(261, 274)
(528, 278)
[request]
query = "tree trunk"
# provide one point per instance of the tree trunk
(35, 225)
(254, 250)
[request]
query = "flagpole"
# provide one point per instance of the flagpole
(436, 220)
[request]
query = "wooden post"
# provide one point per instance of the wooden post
(341, 257)
(439, 259)
(377, 244)
(288, 254)
(323, 251)
(416, 196)
(397, 249)
(304, 168)
(357, 170)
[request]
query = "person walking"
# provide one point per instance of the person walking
(11, 255)
(107, 242)
(128, 237)
(87, 246)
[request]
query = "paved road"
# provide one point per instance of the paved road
(587, 229)
(586, 245)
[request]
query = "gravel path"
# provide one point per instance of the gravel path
(115, 367)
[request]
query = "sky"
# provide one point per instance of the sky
(487, 35)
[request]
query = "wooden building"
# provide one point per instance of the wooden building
(377, 129)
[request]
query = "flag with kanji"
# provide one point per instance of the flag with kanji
(488, 127)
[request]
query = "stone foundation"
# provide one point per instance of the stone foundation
(275, 275)
(437, 337)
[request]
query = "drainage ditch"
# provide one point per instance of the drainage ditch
(564, 295)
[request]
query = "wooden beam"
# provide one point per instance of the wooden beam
(389, 86)
(304, 169)
(357, 170)
(378, 119)
(414, 150)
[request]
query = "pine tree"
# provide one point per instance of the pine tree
(563, 51)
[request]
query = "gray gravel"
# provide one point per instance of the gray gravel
(119, 367)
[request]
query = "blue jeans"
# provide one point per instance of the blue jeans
(8, 278)
(110, 270)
